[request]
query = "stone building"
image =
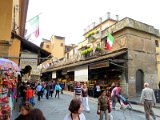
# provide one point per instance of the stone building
(132, 60)
(139, 39)
(56, 46)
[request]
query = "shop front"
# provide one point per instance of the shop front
(103, 74)
(65, 78)
(103, 70)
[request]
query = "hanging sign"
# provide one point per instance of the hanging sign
(99, 65)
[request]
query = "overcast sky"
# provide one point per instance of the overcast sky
(69, 18)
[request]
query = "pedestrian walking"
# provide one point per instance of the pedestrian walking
(24, 111)
(115, 96)
(42, 91)
(23, 89)
(36, 114)
(62, 86)
(57, 88)
(85, 98)
(38, 89)
(75, 109)
(112, 87)
(78, 91)
(98, 90)
(94, 91)
(34, 93)
(103, 106)
(148, 99)
(48, 90)
(51, 89)
(69, 86)
(29, 95)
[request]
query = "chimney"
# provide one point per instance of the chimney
(108, 15)
(117, 17)
(85, 30)
(100, 20)
(88, 28)
(93, 24)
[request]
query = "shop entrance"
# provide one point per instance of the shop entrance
(139, 81)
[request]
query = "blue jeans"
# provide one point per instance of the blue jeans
(114, 101)
(31, 100)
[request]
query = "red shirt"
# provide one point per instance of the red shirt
(29, 93)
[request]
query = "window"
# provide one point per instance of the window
(157, 43)
(47, 46)
(73, 51)
(61, 44)
(98, 45)
(67, 55)
(67, 49)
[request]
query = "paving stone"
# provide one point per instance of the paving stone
(56, 109)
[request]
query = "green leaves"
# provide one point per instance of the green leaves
(98, 48)
(84, 52)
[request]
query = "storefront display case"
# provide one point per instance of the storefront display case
(7, 92)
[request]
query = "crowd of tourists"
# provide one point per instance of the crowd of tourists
(27, 92)
(104, 108)
(107, 99)
(78, 104)
(104, 96)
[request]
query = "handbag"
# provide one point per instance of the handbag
(98, 112)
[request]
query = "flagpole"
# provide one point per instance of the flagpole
(33, 17)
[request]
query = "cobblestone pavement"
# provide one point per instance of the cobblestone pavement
(56, 109)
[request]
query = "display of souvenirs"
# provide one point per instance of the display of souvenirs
(8, 81)
(7, 92)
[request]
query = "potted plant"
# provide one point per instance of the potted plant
(84, 52)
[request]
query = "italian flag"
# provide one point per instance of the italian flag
(33, 27)
(34, 22)
(110, 40)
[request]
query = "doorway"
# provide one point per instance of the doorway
(139, 81)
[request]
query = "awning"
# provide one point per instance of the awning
(84, 62)
(27, 45)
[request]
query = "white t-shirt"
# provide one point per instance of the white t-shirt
(81, 116)
(98, 89)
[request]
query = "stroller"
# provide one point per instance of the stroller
(124, 102)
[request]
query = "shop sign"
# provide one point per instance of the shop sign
(99, 65)
(35, 72)
(53, 74)
(81, 74)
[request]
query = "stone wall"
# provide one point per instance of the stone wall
(142, 56)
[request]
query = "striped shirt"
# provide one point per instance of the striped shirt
(78, 90)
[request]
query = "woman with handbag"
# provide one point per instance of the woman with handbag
(103, 106)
